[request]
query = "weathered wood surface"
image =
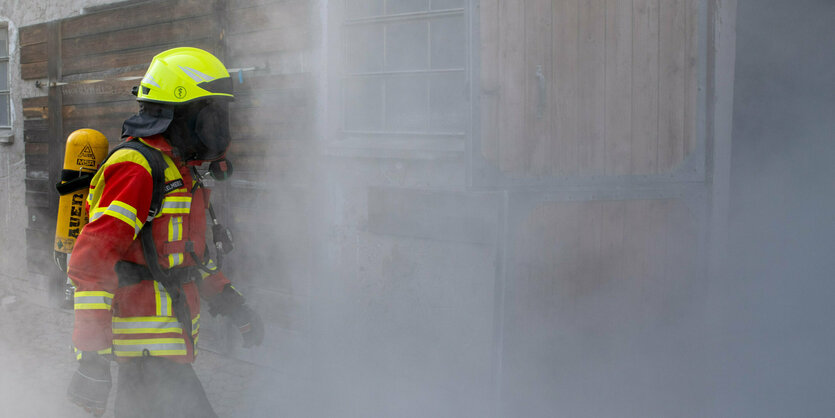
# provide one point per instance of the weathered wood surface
(567, 251)
(156, 35)
(588, 88)
(33, 53)
(141, 15)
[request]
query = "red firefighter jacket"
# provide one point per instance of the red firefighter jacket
(138, 319)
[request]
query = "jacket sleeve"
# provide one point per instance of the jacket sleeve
(212, 284)
(120, 197)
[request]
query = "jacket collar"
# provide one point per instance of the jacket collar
(159, 143)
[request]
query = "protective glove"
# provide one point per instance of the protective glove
(226, 302)
(249, 324)
(232, 304)
(90, 385)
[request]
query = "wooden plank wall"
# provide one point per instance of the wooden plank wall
(40, 230)
(273, 107)
(103, 45)
(588, 88)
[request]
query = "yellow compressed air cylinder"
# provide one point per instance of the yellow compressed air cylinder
(86, 148)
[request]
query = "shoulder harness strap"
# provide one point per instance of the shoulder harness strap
(157, 164)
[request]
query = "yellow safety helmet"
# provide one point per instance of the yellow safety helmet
(184, 74)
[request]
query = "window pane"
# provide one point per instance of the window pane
(4, 110)
(4, 75)
(448, 103)
(449, 43)
(447, 4)
(355, 9)
(406, 102)
(406, 46)
(4, 42)
(406, 6)
(364, 104)
(364, 48)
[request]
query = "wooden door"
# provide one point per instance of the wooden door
(588, 116)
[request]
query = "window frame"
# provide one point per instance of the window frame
(4, 27)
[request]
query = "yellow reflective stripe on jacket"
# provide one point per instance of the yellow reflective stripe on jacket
(97, 184)
(121, 211)
(211, 266)
(176, 205)
(175, 233)
(154, 346)
(175, 259)
(163, 300)
(175, 229)
(195, 328)
(146, 325)
(93, 300)
(104, 352)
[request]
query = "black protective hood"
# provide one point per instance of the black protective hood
(152, 119)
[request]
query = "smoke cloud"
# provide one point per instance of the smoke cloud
(392, 288)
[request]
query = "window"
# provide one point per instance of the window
(403, 70)
(5, 102)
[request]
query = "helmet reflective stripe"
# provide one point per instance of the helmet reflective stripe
(195, 75)
(150, 80)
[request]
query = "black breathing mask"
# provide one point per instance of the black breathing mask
(199, 131)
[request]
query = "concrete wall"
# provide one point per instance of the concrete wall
(13, 214)
(773, 303)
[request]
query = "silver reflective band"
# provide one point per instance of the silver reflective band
(125, 346)
(129, 217)
(176, 228)
(195, 75)
(163, 300)
(175, 205)
(150, 80)
(148, 325)
(93, 299)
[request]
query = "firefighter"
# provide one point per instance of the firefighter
(140, 275)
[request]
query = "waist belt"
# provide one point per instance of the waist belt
(131, 273)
